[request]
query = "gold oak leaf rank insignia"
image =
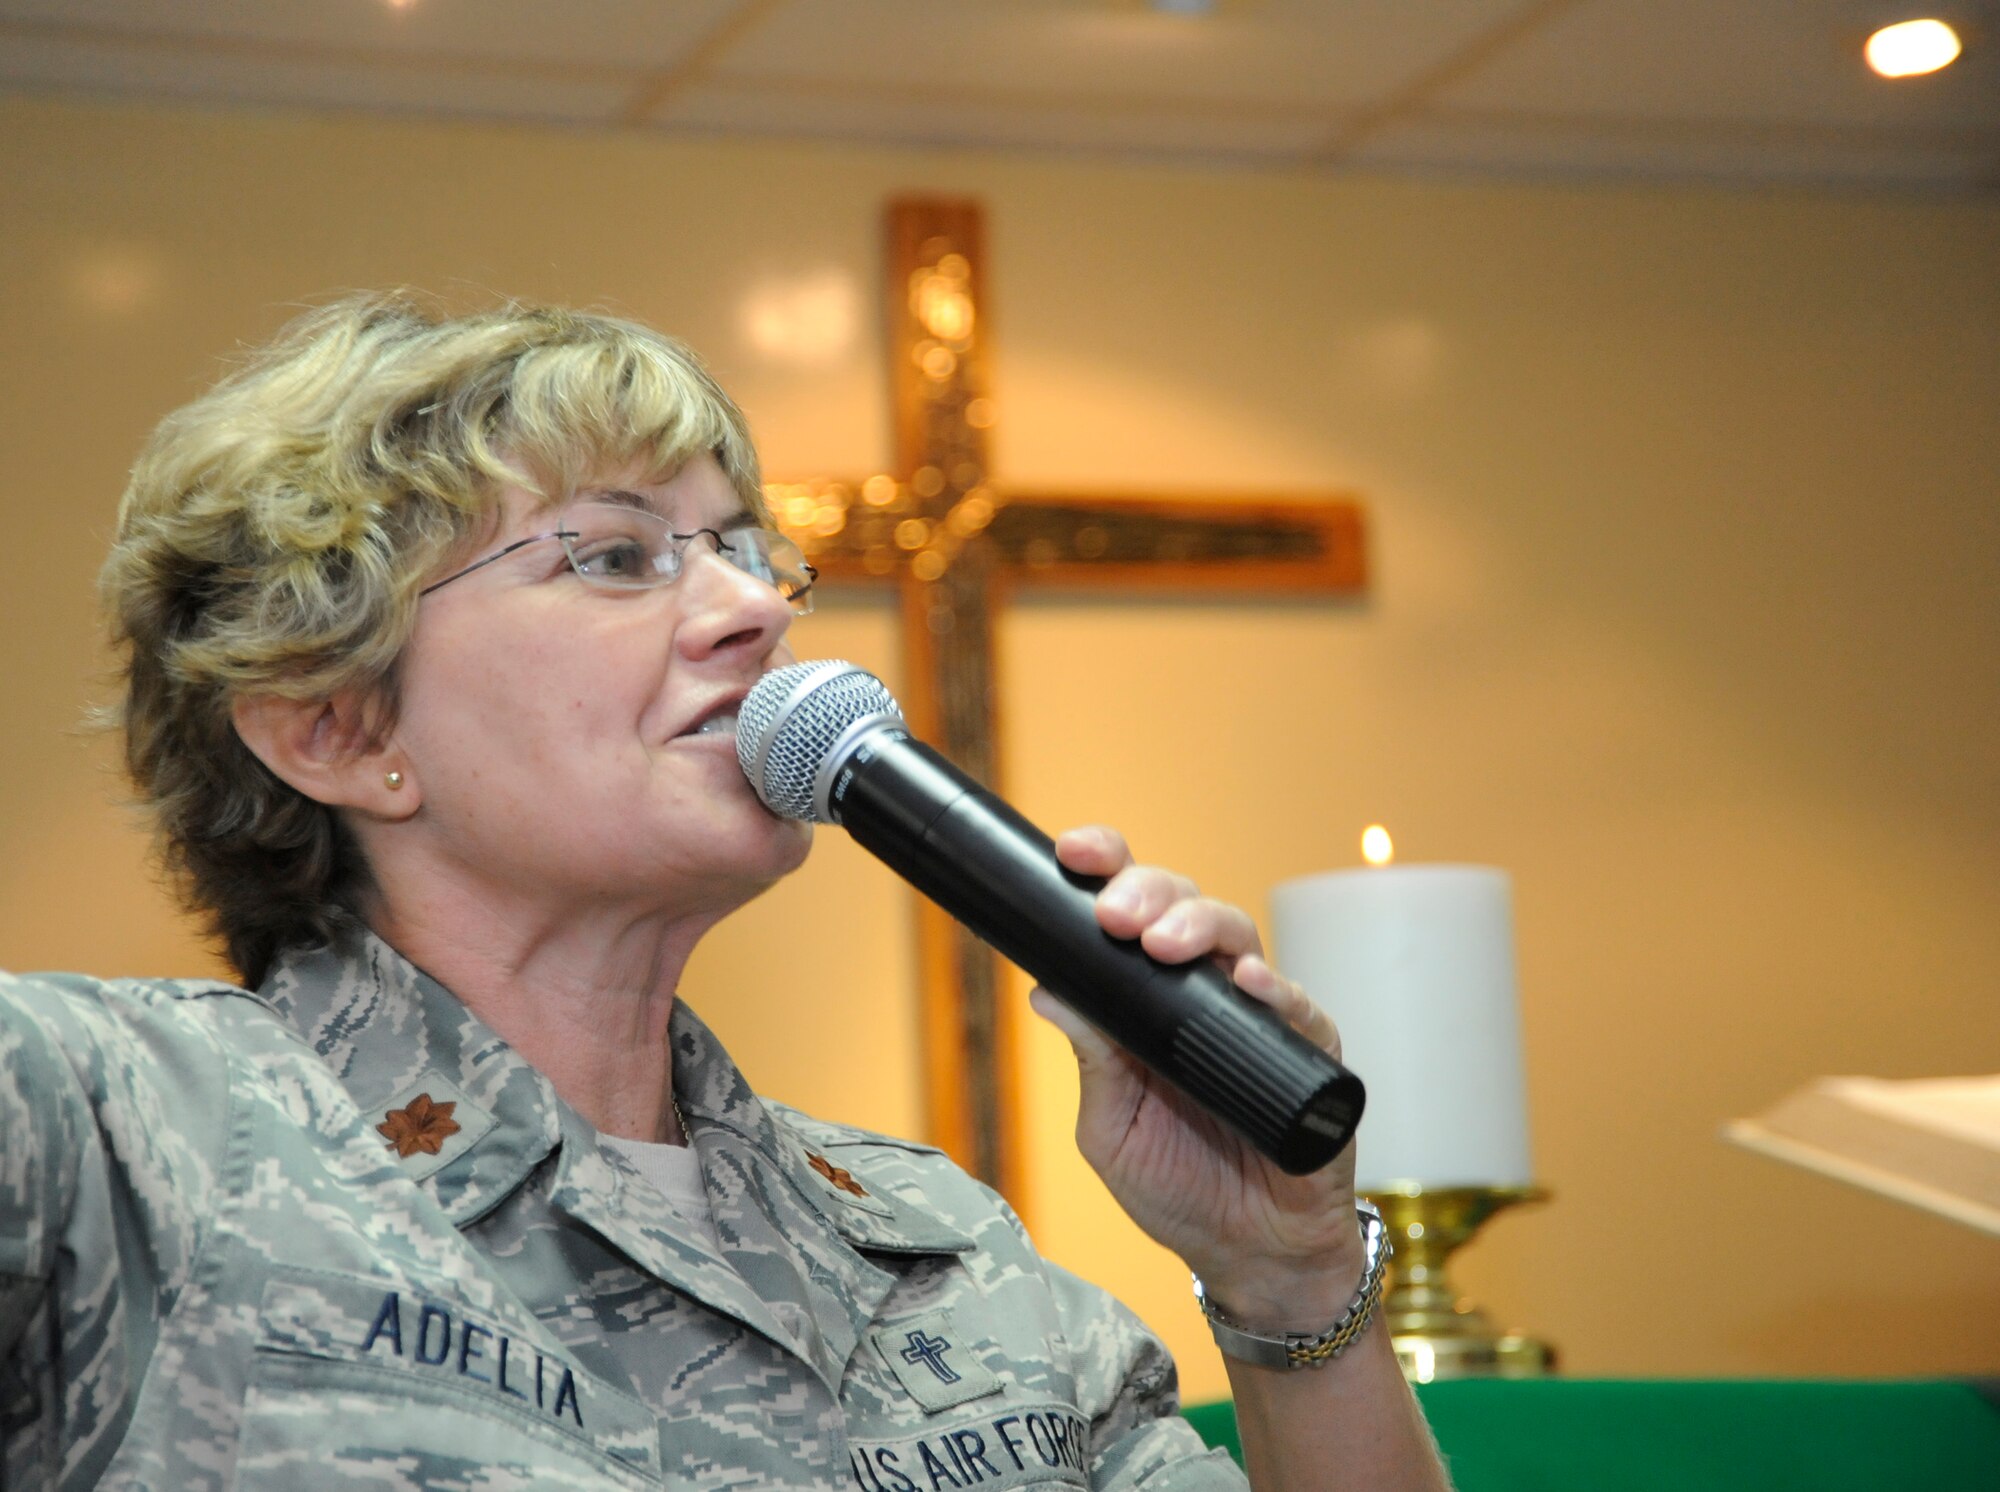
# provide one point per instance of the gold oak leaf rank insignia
(838, 1175)
(423, 1126)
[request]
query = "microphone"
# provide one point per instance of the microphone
(825, 742)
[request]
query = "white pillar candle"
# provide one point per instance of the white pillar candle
(1416, 966)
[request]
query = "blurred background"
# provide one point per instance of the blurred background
(1660, 342)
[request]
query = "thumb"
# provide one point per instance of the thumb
(1110, 1086)
(1092, 1049)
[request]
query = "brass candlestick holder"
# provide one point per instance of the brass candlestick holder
(1437, 1332)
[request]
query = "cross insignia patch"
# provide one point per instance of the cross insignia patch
(930, 1351)
(937, 1364)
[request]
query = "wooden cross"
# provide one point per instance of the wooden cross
(954, 545)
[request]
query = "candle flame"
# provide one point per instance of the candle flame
(1376, 846)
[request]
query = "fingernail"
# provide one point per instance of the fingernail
(1173, 925)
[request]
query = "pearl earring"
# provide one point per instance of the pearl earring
(394, 779)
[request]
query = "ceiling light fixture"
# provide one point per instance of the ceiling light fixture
(1183, 7)
(1910, 49)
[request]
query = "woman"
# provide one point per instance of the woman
(434, 634)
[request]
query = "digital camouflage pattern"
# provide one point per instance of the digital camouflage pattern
(223, 1263)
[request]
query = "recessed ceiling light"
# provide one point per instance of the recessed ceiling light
(1909, 49)
(1183, 7)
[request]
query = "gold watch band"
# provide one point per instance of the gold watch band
(1310, 1349)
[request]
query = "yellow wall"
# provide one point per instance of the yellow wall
(1687, 548)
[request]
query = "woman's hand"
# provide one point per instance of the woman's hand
(1278, 1252)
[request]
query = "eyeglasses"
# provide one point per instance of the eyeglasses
(624, 548)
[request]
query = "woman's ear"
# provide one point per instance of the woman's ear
(328, 750)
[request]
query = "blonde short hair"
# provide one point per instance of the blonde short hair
(276, 533)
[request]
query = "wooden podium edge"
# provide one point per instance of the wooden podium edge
(1753, 1136)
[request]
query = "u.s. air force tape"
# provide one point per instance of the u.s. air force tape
(1013, 1447)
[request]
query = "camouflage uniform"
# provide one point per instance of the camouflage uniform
(215, 1271)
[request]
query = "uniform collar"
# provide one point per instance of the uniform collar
(795, 1237)
(714, 1098)
(394, 1036)
(790, 1233)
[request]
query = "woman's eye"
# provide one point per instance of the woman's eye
(615, 559)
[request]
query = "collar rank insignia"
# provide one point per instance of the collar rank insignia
(421, 1125)
(837, 1175)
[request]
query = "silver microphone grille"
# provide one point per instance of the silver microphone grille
(793, 718)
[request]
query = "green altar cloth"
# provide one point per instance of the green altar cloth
(1678, 1435)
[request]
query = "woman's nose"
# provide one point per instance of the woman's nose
(726, 607)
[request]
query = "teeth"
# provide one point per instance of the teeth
(717, 725)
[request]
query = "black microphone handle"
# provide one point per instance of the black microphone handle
(996, 872)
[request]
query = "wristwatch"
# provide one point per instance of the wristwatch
(1296, 1349)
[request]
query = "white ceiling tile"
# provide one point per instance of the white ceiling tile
(237, 80)
(1296, 53)
(1702, 88)
(639, 34)
(889, 117)
(1494, 148)
(1725, 59)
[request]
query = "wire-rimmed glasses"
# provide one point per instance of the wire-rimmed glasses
(621, 547)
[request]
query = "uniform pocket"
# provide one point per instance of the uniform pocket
(313, 1426)
(361, 1383)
